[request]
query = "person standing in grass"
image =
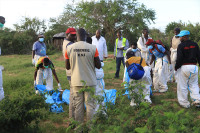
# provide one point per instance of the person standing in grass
(174, 45)
(188, 54)
(2, 22)
(100, 43)
(39, 49)
(70, 39)
(121, 45)
(82, 58)
(143, 48)
(160, 74)
(43, 70)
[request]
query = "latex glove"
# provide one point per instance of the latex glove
(1, 67)
(33, 61)
(170, 67)
(59, 87)
(34, 83)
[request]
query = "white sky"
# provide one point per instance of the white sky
(166, 10)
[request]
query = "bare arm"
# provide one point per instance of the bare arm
(97, 62)
(54, 74)
(35, 74)
(67, 64)
(168, 57)
(33, 54)
(127, 64)
(152, 59)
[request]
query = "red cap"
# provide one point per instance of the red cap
(71, 31)
(159, 42)
(150, 41)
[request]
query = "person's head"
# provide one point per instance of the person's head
(71, 34)
(119, 34)
(41, 37)
(46, 62)
(133, 45)
(177, 31)
(81, 34)
(184, 35)
(150, 43)
(98, 34)
(130, 54)
(145, 32)
(2, 21)
(89, 40)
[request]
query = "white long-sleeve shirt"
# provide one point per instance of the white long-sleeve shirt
(101, 46)
(141, 43)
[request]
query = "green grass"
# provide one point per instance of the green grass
(18, 77)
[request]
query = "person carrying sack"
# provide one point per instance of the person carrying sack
(138, 70)
(160, 75)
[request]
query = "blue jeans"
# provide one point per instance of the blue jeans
(118, 64)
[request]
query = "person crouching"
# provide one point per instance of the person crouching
(141, 73)
(43, 70)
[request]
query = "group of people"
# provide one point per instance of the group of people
(83, 61)
(148, 61)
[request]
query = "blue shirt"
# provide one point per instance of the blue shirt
(156, 53)
(40, 48)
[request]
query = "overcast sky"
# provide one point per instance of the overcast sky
(166, 10)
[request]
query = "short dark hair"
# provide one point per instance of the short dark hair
(46, 60)
(89, 40)
(119, 32)
(177, 29)
(2, 19)
(129, 54)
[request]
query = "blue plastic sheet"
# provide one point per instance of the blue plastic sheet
(110, 95)
(51, 99)
(65, 96)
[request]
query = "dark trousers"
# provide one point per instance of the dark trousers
(118, 64)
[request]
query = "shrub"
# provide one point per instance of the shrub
(18, 111)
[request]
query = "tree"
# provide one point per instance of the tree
(31, 24)
(110, 16)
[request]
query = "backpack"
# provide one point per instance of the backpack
(135, 71)
(159, 42)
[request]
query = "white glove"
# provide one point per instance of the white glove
(59, 87)
(33, 61)
(34, 83)
(1, 67)
(170, 67)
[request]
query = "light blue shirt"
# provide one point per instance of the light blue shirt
(120, 52)
(156, 53)
(40, 48)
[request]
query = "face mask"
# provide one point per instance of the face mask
(41, 39)
(46, 67)
(134, 50)
(150, 47)
(1, 25)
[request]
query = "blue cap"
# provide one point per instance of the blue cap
(183, 33)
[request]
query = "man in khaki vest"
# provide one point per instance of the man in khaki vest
(70, 39)
(174, 45)
(82, 58)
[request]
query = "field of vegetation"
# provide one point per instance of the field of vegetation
(23, 111)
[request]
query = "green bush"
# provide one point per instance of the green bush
(18, 111)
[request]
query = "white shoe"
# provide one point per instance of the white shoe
(185, 106)
(163, 90)
(132, 103)
(196, 103)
